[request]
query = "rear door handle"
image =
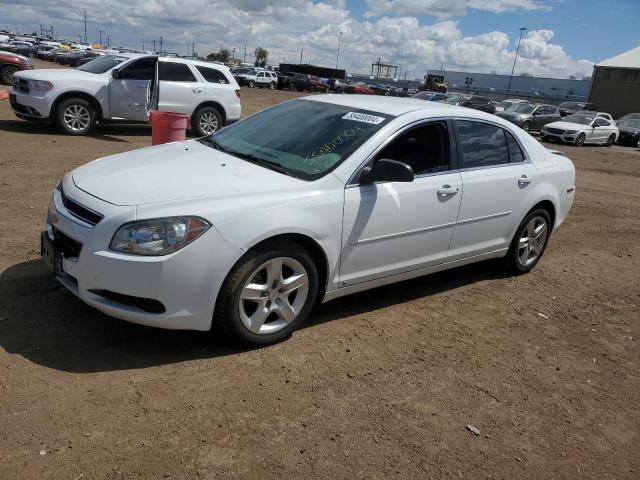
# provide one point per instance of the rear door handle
(523, 181)
(447, 190)
(197, 90)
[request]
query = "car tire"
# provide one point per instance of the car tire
(293, 87)
(206, 121)
(611, 140)
(526, 126)
(252, 84)
(240, 307)
(312, 89)
(580, 140)
(272, 86)
(75, 116)
(6, 73)
(529, 242)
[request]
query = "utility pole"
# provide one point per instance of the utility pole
(85, 25)
(244, 57)
(100, 37)
(193, 49)
(143, 42)
(233, 53)
(161, 50)
(338, 54)
(154, 46)
(522, 30)
(301, 50)
(109, 41)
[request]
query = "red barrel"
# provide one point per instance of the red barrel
(168, 127)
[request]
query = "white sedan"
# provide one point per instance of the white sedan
(316, 198)
(581, 128)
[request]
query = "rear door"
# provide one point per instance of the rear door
(128, 94)
(180, 91)
(497, 180)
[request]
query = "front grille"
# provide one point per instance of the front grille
(628, 138)
(69, 247)
(554, 130)
(80, 212)
(21, 85)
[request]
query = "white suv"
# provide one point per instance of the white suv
(125, 87)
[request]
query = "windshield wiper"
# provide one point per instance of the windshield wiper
(250, 158)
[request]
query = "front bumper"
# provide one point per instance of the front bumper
(34, 104)
(132, 287)
(559, 137)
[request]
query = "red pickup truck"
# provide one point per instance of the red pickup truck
(10, 63)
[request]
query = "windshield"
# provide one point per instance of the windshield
(581, 119)
(102, 64)
(574, 105)
(302, 138)
(456, 98)
(520, 108)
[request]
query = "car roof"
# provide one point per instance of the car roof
(175, 60)
(388, 105)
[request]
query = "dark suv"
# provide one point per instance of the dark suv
(471, 101)
(300, 81)
(568, 108)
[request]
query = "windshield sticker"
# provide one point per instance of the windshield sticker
(363, 117)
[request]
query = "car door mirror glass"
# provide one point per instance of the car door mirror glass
(115, 73)
(386, 170)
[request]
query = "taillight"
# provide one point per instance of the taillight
(238, 93)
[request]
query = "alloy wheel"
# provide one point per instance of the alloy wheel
(273, 296)
(77, 118)
(580, 140)
(208, 123)
(526, 127)
(532, 241)
(7, 74)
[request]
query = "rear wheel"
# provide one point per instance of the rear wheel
(272, 86)
(293, 87)
(529, 242)
(526, 126)
(75, 116)
(611, 140)
(268, 294)
(252, 84)
(6, 74)
(206, 121)
(580, 140)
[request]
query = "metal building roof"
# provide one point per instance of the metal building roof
(630, 59)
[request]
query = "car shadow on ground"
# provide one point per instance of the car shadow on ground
(44, 323)
(112, 132)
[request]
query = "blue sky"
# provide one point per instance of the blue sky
(564, 38)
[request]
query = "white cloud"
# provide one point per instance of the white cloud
(448, 8)
(284, 27)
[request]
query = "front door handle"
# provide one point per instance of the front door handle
(523, 181)
(447, 190)
(197, 90)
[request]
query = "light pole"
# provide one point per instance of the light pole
(522, 30)
(338, 55)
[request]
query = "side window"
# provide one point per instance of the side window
(212, 75)
(515, 152)
(424, 148)
(482, 144)
(143, 69)
(601, 122)
(175, 72)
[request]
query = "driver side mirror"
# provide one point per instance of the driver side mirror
(115, 73)
(385, 170)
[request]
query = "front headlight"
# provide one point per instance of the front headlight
(40, 85)
(158, 236)
(571, 132)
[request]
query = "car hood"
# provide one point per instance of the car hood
(53, 74)
(512, 115)
(629, 130)
(566, 125)
(176, 171)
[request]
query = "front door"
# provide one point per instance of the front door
(394, 227)
(497, 180)
(180, 92)
(129, 92)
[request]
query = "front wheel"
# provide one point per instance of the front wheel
(272, 86)
(526, 126)
(268, 294)
(206, 121)
(75, 116)
(611, 140)
(580, 140)
(252, 84)
(529, 242)
(7, 74)
(293, 87)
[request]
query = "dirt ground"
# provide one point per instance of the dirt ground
(378, 385)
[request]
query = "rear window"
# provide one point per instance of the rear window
(212, 75)
(175, 72)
